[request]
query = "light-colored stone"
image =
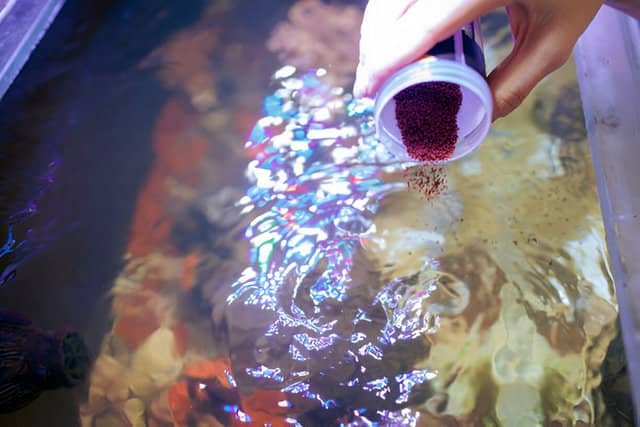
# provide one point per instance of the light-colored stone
(159, 409)
(107, 381)
(155, 364)
(134, 410)
(110, 418)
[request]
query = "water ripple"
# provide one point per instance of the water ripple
(317, 178)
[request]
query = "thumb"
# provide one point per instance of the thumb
(532, 59)
(396, 41)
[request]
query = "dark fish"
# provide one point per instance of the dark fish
(33, 360)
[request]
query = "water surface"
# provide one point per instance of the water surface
(213, 210)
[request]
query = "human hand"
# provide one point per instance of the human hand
(396, 33)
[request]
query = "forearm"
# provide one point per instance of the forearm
(630, 7)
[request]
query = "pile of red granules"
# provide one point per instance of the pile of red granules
(427, 118)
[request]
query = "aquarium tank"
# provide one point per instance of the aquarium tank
(194, 189)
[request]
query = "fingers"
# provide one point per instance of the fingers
(535, 55)
(379, 14)
(395, 37)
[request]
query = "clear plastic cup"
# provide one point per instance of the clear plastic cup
(460, 62)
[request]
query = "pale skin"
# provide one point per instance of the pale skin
(396, 33)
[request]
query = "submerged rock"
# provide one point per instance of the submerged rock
(155, 364)
(558, 111)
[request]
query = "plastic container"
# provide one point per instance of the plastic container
(607, 61)
(458, 60)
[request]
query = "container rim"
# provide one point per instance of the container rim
(435, 69)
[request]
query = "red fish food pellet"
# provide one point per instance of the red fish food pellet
(427, 118)
(429, 181)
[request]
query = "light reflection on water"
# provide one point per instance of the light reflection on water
(363, 310)
(317, 180)
(23, 240)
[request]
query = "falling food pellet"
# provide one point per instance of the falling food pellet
(430, 181)
(427, 116)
